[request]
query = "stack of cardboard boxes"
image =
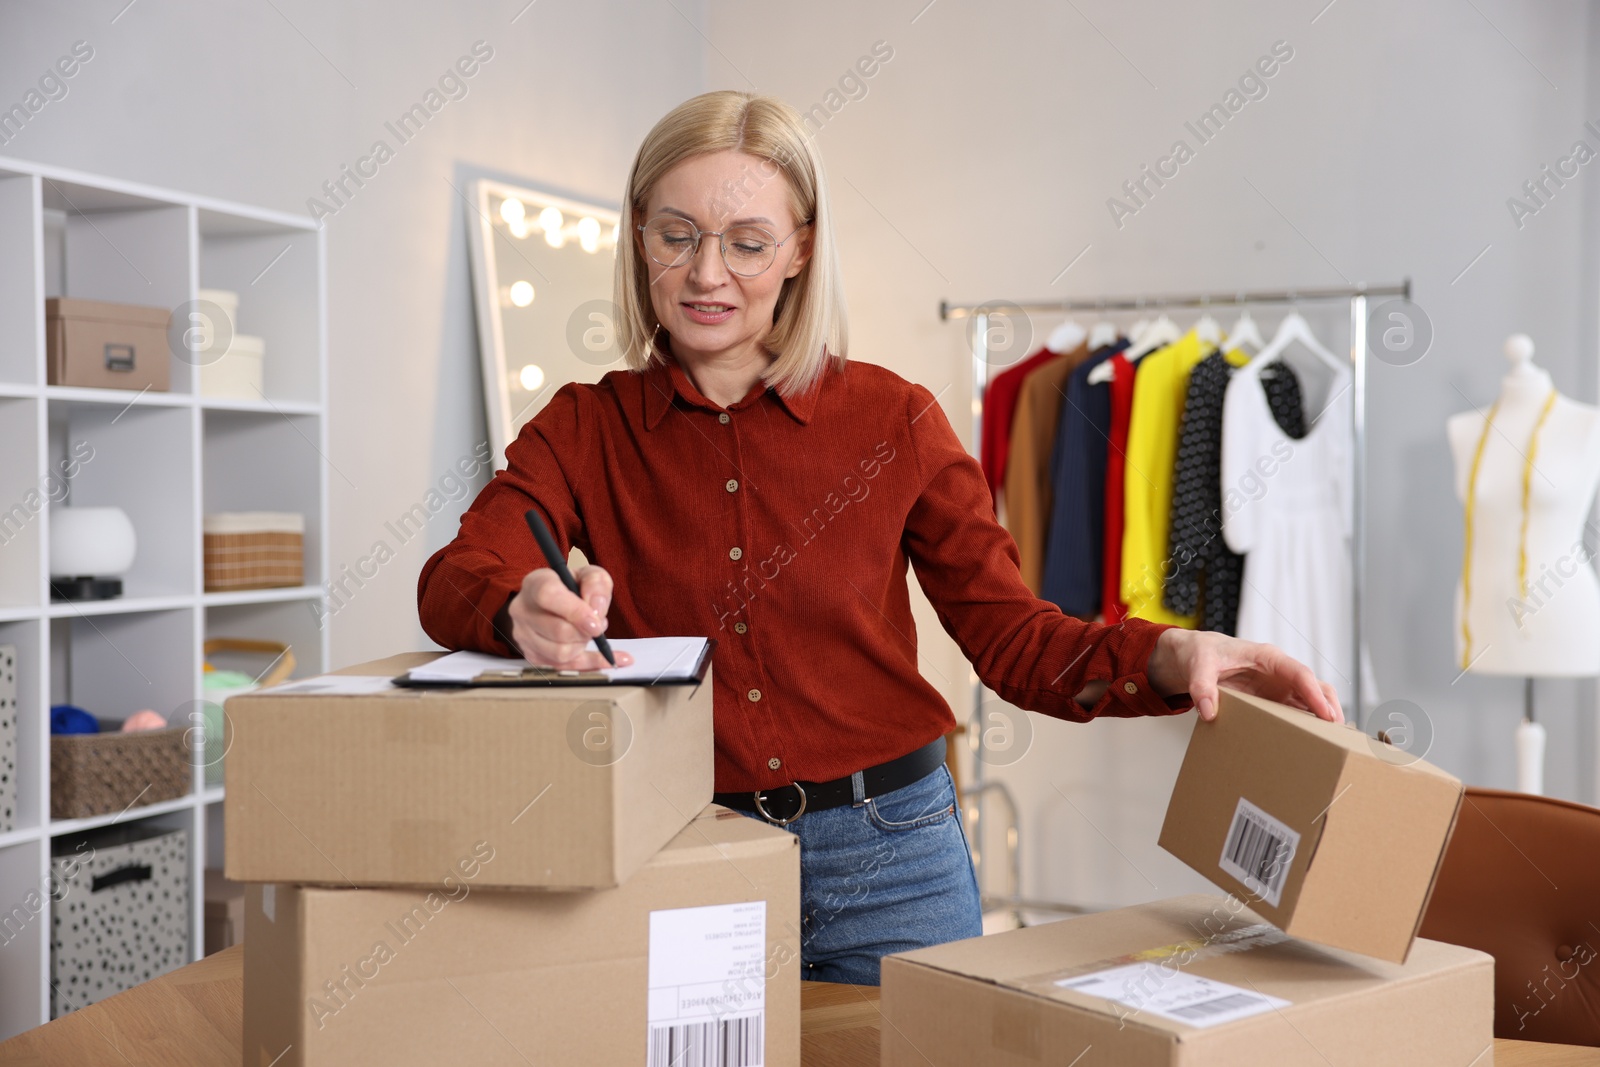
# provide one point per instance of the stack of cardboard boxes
(503, 876)
(1318, 834)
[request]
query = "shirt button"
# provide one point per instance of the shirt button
(739, 627)
(1129, 688)
(774, 763)
(735, 552)
(733, 485)
(754, 695)
(723, 418)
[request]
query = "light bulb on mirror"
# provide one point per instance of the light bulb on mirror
(531, 377)
(550, 219)
(513, 212)
(519, 229)
(521, 294)
(589, 234)
(555, 238)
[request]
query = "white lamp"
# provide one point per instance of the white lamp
(89, 547)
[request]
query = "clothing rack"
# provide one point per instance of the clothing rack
(1356, 295)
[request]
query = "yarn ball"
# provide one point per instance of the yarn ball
(69, 719)
(143, 720)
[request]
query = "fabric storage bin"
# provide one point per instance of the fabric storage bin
(98, 774)
(119, 912)
(236, 374)
(8, 738)
(254, 550)
(106, 346)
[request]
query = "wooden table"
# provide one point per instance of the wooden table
(194, 1017)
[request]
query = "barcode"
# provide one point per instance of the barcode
(735, 1042)
(1231, 1002)
(1259, 850)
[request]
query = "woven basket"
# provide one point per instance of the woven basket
(263, 560)
(98, 774)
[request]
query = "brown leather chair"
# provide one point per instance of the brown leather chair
(1521, 881)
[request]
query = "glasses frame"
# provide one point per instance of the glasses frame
(722, 244)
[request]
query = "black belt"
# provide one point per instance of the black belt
(787, 803)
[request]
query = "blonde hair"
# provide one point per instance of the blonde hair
(809, 320)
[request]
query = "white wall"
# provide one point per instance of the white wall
(977, 166)
(245, 103)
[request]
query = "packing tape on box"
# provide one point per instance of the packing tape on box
(1243, 939)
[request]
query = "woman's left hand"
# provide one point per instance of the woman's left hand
(1197, 661)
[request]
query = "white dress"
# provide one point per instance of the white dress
(1287, 506)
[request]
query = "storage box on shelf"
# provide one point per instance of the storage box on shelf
(120, 911)
(111, 771)
(102, 345)
(78, 238)
(254, 550)
(8, 738)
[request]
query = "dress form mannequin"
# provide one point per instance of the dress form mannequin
(1543, 622)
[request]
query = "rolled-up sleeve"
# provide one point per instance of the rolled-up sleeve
(1025, 649)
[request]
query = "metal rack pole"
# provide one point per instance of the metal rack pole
(1358, 494)
(980, 385)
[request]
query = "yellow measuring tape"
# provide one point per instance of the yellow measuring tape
(1471, 508)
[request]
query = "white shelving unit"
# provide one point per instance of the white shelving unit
(167, 459)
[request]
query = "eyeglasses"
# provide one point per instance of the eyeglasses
(747, 250)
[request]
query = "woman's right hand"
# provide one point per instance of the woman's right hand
(551, 625)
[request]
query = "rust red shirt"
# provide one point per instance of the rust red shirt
(783, 528)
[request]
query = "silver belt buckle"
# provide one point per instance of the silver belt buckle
(762, 811)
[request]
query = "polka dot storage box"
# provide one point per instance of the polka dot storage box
(119, 904)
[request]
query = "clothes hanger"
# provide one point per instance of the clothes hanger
(1158, 334)
(1208, 329)
(1101, 372)
(1102, 333)
(1066, 337)
(1245, 332)
(1293, 328)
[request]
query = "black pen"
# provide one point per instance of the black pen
(552, 555)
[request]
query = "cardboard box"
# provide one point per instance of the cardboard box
(344, 780)
(1182, 983)
(1330, 835)
(703, 937)
(224, 912)
(106, 346)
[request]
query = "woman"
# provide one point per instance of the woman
(742, 480)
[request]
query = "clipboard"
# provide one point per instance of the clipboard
(532, 676)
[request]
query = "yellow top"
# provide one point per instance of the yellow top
(1159, 392)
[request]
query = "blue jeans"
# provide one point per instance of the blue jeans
(884, 875)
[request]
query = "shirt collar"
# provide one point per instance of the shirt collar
(664, 378)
